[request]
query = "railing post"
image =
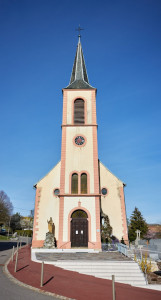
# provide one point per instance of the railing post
(141, 255)
(113, 288)
(16, 261)
(13, 250)
(42, 274)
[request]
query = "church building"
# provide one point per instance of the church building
(79, 190)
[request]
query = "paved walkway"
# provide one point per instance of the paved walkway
(8, 289)
(74, 285)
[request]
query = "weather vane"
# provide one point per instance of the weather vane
(79, 30)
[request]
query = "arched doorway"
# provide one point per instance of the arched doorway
(79, 229)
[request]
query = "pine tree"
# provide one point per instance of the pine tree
(137, 222)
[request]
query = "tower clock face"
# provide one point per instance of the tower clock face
(79, 140)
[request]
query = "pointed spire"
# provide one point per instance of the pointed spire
(79, 77)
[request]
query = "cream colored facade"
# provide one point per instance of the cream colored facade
(110, 204)
(48, 202)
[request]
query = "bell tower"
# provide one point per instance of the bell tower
(79, 197)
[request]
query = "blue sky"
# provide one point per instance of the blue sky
(122, 48)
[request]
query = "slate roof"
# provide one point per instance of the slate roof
(79, 77)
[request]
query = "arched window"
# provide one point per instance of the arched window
(79, 214)
(74, 184)
(79, 111)
(84, 183)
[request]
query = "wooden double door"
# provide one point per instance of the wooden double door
(79, 232)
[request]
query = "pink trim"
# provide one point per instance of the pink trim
(79, 195)
(78, 125)
(89, 222)
(98, 229)
(36, 214)
(94, 121)
(66, 245)
(63, 159)
(84, 140)
(95, 161)
(85, 110)
(96, 175)
(62, 186)
(37, 244)
(93, 89)
(123, 212)
(64, 106)
(61, 216)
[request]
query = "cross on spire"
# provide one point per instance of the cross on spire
(79, 30)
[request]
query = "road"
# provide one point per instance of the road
(8, 289)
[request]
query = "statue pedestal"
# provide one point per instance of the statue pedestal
(49, 242)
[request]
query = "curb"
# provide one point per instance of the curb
(13, 279)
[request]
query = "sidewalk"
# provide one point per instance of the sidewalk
(71, 284)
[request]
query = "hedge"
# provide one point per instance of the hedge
(24, 232)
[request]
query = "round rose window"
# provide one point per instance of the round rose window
(104, 191)
(56, 192)
(79, 140)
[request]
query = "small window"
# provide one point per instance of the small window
(56, 192)
(104, 191)
(79, 111)
(84, 183)
(74, 184)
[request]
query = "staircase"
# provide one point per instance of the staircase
(127, 272)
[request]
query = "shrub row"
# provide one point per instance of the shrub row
(24, 232)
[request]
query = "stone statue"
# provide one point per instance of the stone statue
(51, 226)
(50, 240)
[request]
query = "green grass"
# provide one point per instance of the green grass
(3, 237)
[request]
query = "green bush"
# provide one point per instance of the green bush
(24, 232)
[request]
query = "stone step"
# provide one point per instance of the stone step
(122, 279)
(103, 267)
(108, 273)
(95, 264)
(125, 271)
(116, 275)
(91, 271)
(99, 263)
(98, 267)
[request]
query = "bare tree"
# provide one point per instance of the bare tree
(6, 207)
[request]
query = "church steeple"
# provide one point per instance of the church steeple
(79, 77)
